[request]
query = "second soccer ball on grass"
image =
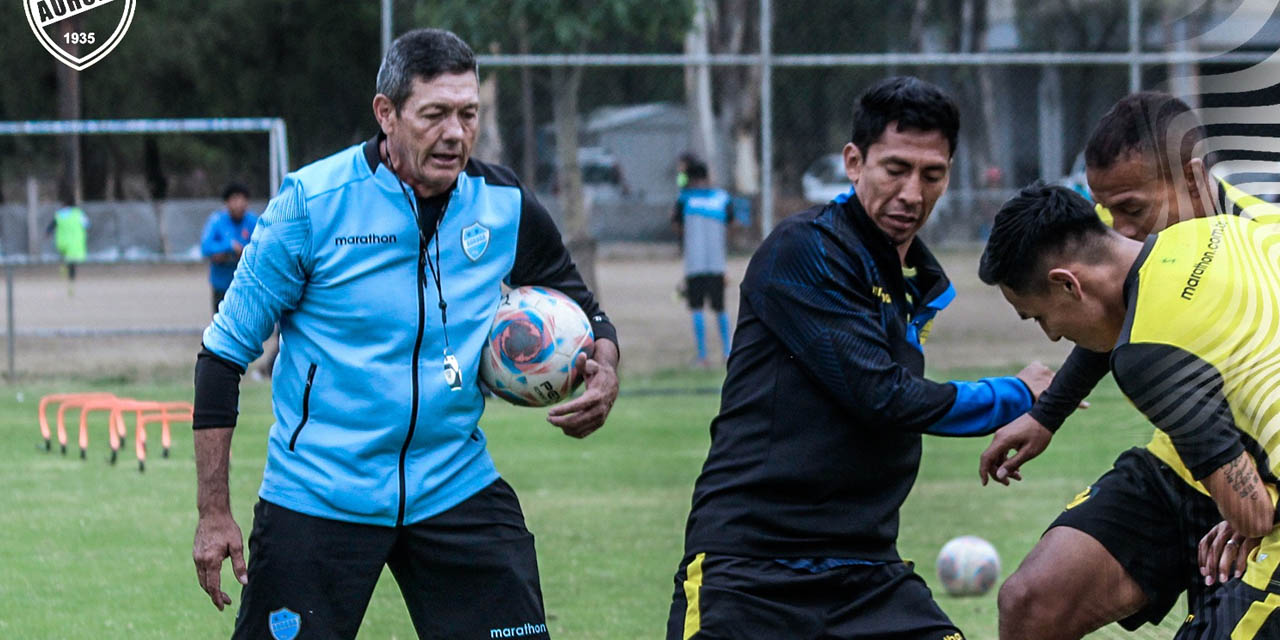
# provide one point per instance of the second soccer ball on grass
(968, 566)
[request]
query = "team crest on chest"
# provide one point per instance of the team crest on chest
(475, 239)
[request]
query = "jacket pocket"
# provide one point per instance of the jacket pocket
(306, 402)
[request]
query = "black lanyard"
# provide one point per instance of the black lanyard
(436, 270)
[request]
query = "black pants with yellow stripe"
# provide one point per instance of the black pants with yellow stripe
(721, 597)
(1236, 611)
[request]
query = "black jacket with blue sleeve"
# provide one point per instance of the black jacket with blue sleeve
(817, 442)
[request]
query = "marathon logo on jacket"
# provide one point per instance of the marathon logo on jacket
(371, 238)
(87, 39)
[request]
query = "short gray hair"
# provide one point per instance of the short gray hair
(424, 54)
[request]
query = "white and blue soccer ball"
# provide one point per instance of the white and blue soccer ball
(536, 337)
(968, 566)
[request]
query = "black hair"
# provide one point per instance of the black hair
(695, 170)
(909, 101)
(1143, 122)
(1041, 221)
(423, 54)
(232, 189)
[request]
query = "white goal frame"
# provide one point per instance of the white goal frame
(273, 127)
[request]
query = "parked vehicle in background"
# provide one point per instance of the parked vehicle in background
(825, 179)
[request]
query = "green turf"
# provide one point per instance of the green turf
(93, 551)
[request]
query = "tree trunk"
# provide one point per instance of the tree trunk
(69, 109)
(915, 32)
(529, 154)
(739, 97)
(565, 82)
(698, 90)
(489, 145)
(1183, 76)
(992, 147)
(159, 188)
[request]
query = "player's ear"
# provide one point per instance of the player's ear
(853, 162)
(385, 111)
(1062, 280)
(1196, 177)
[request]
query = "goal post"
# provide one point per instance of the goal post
(141, 332)
(273, 127)
(277, 149)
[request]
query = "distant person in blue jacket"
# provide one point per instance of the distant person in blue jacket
(225, 235)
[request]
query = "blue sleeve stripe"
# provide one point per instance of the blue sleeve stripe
(983, 406)
(943, 300)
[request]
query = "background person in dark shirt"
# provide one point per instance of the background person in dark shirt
(793, 528)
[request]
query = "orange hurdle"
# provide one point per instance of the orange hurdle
(144, 412)
(115, 424)
(117, 431)
(66, 401)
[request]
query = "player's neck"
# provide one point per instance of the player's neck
(1124, 254)
(902, 251)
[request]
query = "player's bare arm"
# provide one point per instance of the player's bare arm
(1037, 377)
(1241, 497)
(217, 534)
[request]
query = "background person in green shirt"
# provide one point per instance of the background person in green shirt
(70, 230)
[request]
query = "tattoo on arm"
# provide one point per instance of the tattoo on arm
(1240, 476)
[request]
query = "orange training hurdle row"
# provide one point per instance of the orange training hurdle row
(144, 412)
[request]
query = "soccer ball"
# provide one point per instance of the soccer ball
(536, 337)
(968, 566)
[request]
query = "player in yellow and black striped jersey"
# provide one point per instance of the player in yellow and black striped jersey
(1125, 548)
(1192, 320)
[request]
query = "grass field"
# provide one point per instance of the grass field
(93, 551)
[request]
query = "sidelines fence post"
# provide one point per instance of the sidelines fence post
(33, 214)
(766, 118)
(8, 294)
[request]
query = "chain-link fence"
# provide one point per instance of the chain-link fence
(768, 109)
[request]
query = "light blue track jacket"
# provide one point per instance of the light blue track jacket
(366, 429)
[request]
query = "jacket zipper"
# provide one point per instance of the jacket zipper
(417, 349)
(306, 402)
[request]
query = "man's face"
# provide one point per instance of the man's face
(431, 136)
(236, 206)
(1063, 312)
(1141, 202)
(900, 179)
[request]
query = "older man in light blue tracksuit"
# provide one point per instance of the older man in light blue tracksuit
(383, 265)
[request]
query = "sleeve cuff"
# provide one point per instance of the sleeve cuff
(1050, 422)
(983, 406)
(603, 329)
(217, 397)
(1205, 468)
